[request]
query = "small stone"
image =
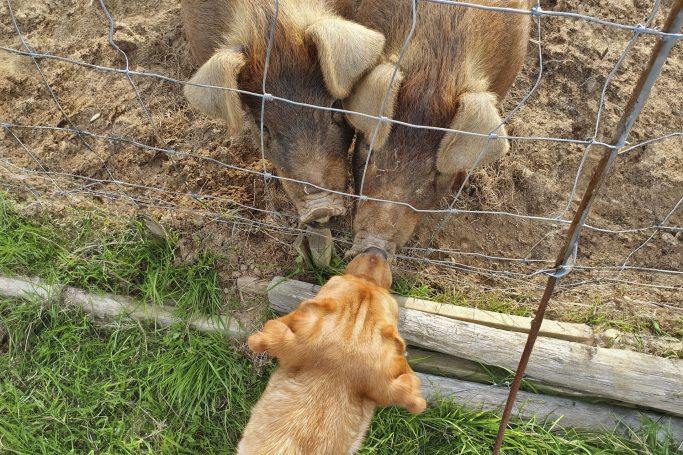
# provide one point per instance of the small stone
(669, 238)
(591, 84)
(611, 333)
(154, 227)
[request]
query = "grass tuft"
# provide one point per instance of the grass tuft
(68, 386)
(410, 286)
(126, 259)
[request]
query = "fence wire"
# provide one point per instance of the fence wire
(65, 184)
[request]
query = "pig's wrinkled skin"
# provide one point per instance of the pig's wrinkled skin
(316, 58)
(460, 63)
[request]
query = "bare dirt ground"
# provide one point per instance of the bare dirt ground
(197, 191)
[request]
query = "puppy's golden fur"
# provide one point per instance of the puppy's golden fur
(340, 356)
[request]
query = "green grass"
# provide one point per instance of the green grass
(68, 385)
(595, 316)
(92, 253)
(411, 286)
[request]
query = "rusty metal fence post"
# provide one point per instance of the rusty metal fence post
(641, 92)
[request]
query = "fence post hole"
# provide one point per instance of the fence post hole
(660, 53)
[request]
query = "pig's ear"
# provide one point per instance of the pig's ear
(458, 152)
(367, 98)
(221, 70)
(346, 50)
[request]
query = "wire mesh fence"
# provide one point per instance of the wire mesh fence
(521, 269)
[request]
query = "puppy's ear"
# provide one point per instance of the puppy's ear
(396, 344)
(275, 338)
(405, 392)
(302, 322)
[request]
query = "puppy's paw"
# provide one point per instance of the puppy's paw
(416, 405)
(257, 342)
(271, 338)
(405, 391)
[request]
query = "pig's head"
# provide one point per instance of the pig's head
(419, 167)
(316, 58)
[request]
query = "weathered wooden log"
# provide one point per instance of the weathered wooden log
(552, 329)
(570, 413)
(444, 365)
(108, 306)
(569, 331)
(630, 377)
(640, 379)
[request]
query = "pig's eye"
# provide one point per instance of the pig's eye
(338, 117)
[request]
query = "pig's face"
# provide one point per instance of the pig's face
(403, 171)
(305, 144)
(315, 63)
(416, 167)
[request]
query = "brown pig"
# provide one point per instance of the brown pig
(459, 64)
(316, 58)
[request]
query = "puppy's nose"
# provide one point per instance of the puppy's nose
(372, 265)
(376, 252)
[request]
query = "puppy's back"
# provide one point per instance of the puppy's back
(310, 414)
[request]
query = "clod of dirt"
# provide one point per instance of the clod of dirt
(186, 252)
(670, 239)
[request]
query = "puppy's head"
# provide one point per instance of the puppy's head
(348, 331)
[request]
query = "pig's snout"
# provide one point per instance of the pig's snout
(364, 242)
(320, 208)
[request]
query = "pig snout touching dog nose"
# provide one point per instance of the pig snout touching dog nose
(363, 241)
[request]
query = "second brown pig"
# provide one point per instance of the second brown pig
(457, 67)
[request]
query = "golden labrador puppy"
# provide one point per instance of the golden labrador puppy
(340, 356)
